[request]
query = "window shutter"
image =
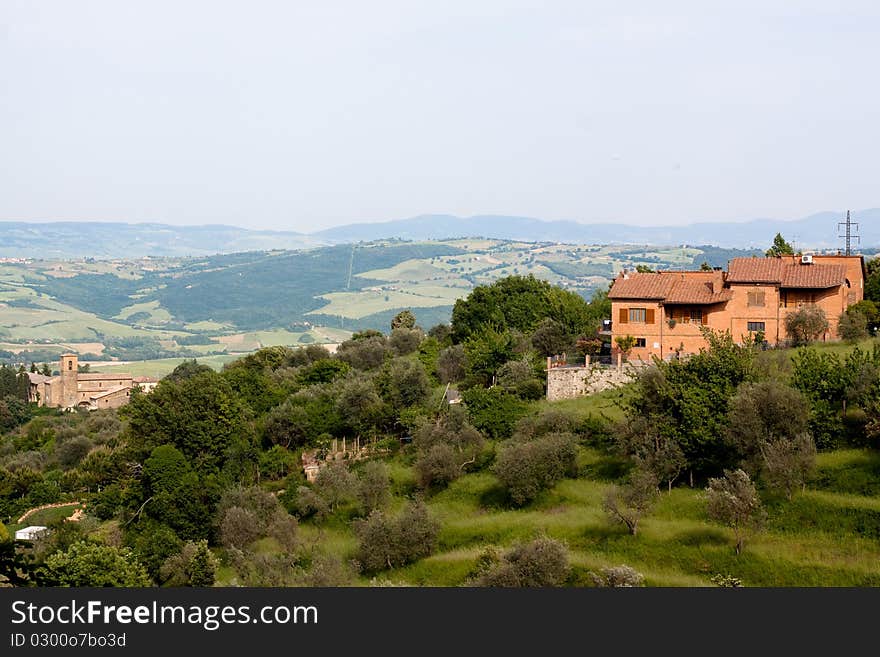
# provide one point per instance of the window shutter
(649, 316)
(705, 318)
(624, 315)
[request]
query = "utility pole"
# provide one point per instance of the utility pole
(848, 235)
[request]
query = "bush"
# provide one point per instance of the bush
(527, 468)
(386, 542)
(805, 324)
(405, 340)
(540, 563)
(494, 412)
(451, 364)
(852, 326)
(618, 577)
(90, 564)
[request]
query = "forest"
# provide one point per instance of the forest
(433, 459)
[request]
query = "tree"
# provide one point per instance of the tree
(644, 269)
(364, 352)
(451, 364)
(404, 319)
(852, 326)
(780, 247)
(373, 490)
(526, 468)
(408, 384)
(550, 338)
(336, 484)
(493, 412)
(651, 447)
(872, 282)
(733, 501)
(485, 352)
(705, 266)
(386, 542)
(622, 576)
(187, 369)
(805, 324)
(687, 400)
(518, 303)
(446, 447)
(762, 414)
(358, 403)
(625, 343)
(239, 528)
(200, 415)
(175, 495)
(405, 340)
(627, 504)
(870, 311)
(194, 565)
(542, 562)
(789, 463)
(91, 564)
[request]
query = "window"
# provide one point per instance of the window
(754, 327)
(640, 342)
(756, 298)
(70, 365)
(696, 316)
(637, 315)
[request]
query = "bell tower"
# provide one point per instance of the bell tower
(69, 388)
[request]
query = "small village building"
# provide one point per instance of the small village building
(87, 390)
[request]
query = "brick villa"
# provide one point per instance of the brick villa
(664, 311)
(75, 389)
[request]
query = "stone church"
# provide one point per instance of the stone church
(74, 389)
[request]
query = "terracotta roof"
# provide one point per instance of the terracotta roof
(814, 276)
(145, 379)
(754, 270)
(671, 287)
(35, 378)
(641, 286)
(785, 273)
(696, 292)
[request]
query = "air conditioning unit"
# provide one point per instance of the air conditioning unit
(806, 260)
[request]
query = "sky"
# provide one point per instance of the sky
(305, 115)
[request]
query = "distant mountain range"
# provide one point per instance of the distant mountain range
(108, 240)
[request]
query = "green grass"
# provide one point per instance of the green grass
(45, 517)
(822, 537)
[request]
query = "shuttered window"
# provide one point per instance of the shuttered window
(756, 298)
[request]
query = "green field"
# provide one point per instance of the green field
(159, 367)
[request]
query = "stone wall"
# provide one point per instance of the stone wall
(571, 382)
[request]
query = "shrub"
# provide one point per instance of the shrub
(542, 562)
(386, 542)
(805, 324)
(527, 468)
(622, 576)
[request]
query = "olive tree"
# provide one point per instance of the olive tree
(627, 504)
(733, 500)
(542, 562)
(805, 324)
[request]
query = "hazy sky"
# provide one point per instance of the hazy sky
(304, 115)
